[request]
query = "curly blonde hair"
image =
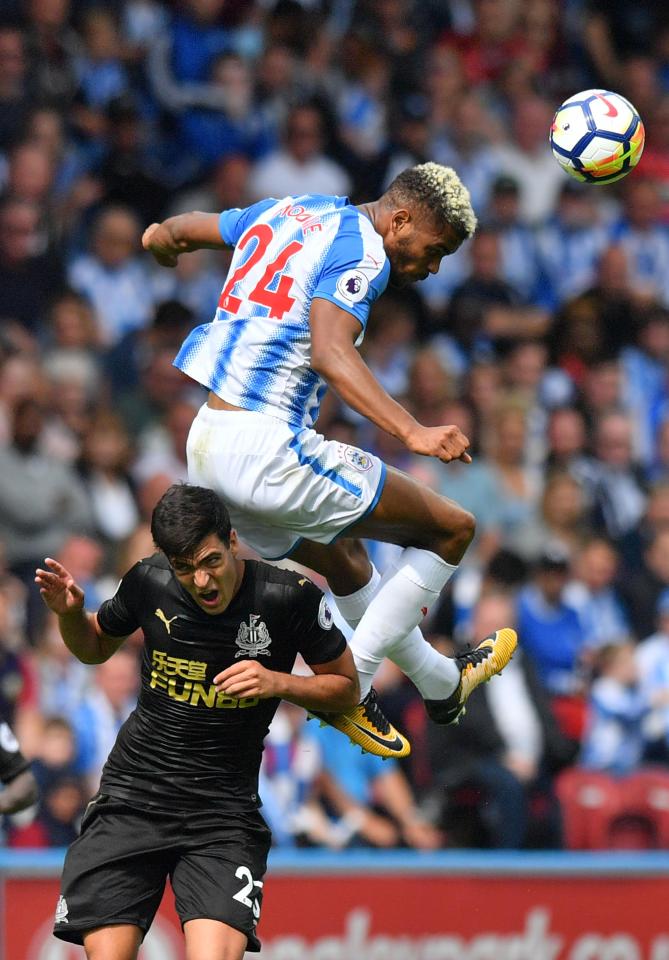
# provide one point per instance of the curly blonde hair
(440, 191)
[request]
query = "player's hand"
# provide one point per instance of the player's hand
(421, 835)
(248, 678)
(378, 830)
(158, 241)
(59, 591)
(445, 443)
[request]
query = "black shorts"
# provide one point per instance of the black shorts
(115, 871)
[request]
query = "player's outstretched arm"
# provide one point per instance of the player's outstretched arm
(79, 629)
(182, 234)
(333, 688)
(333, 355)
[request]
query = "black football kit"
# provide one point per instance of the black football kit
(12, 761)
(179, 792)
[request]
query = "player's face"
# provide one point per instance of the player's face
(212, 575)
(416, 247)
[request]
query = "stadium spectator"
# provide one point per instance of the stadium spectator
(99, 716)
(566, 441)
(485, 312)
(226, 186)
(656, 152)
(181, 56)
(390, 343)
(644, 366)
(300, 164)
(506, 748)
(465, 146)
(144, 404)
(112, 276)
(571, 243)
(29, 275)
(99, 69)
(196, 282)
(30, 175)
(14, 89)
(613, 740)
(162, 448)
(362, 101)
(445, 85)
(519, 262)
(656, 517)
(106, 456)
(594, 593)
(73, 390)
(617, 484)
(280, 82)
(643, 237)
(41, 502)
(473, 485)
(56, 684)
(132, 359)
(658, 471)
(642, 586)
(493, 40)
(561, 518)
(518, 485)
(483, 390)
(84, 557)
(537, 388)
(409, 137)
(464, 143)
(61, 796)
(53, 44)
(430, 386)
(130, 172)
(554, 638)
(601, 391)
(527, 157)
(71, 326)
(235, 126)
(652, 656)
(372, 796)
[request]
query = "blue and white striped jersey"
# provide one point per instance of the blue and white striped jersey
(256, 351)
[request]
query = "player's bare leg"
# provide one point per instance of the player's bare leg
(213, 940)
(435, 533)
(119, 942)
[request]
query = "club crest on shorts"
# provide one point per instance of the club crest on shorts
(61, 910)
(8, 741)
(253, 638)
(352, 286)
(358, 459)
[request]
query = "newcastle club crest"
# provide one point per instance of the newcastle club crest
(253, 638)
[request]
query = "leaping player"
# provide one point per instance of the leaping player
(295, 305)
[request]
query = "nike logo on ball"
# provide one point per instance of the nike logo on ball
(611, 110)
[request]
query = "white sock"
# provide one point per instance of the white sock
(389, 625)
(353, 605)
(435, 675)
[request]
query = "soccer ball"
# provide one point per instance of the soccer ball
(597, 136)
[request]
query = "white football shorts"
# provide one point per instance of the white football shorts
(281, 484)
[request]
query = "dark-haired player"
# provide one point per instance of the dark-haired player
(303, 276)
(179, 791)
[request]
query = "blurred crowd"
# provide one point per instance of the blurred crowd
(546, 340)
